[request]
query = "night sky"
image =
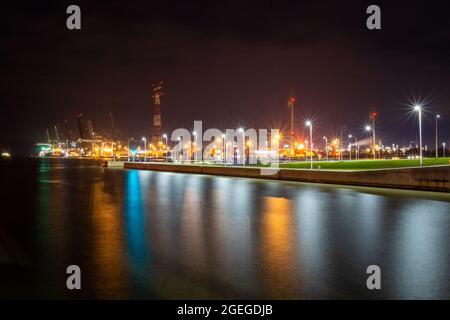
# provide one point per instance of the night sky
(228, 63)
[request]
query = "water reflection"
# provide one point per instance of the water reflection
(141, 234)
(136, 234)
(279, 257)
(108, 251)
(52, 224)
(422, 251)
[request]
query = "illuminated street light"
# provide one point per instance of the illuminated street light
(418, 108)
(326, 147)
(195, 146)
(369, 129)
(129, 150)
(341, 156)
(309, 124)
(224, 141)
(229, 145)
(181, 148)
(356, 147)
(145, 148)
(292, 133)
(437, 117)
(373, 115)
(165, 137)
(243, 145)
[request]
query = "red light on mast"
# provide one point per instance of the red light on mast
(373, 114)
(292, 99)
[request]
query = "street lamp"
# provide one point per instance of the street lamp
(145, 148)
(341, 156)
(229, 145)
(437, 152)
(128, 140)
(195, 145)
(309, 124)
(165, 137)
(418, 108)
(243, 145)
(181, 148)
(292, 133)
(326, 147)
(356, 146)
(369, 129)
(224, 148)
(306, 151)
(373, 115)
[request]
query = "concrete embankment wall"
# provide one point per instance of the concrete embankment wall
(115, 164)
(435, 178)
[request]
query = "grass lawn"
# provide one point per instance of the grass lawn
(366, 164)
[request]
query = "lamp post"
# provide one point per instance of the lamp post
(224, 152)
(112, 150)
(356, 146)
(374, 141)
(340, 146)
(369, 129)
(418, 108)
(181, 148)
(292, 133)
(350, 151)
(128, 140)
(326, 147)
(228, 145)
(437, 152)
(165, 137)
(443, 148)
(243, 145)
(309, 124)
(195, 146)
(145, 148)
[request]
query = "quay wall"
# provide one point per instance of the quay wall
(435, 178)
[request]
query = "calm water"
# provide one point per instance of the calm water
(142, 234)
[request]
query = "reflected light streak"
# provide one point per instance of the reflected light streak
(108, 251)
(278, 232)
(136, 233)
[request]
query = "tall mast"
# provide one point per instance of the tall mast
(373, 115)
(292, 133)
(157, 93)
